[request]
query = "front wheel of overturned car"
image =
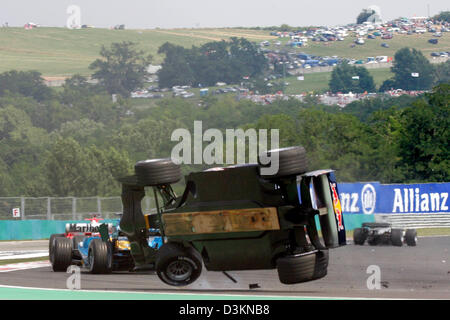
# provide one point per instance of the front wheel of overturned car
(303, 267)
(177, 265)
(411, 237)
(359, 236)
(157, 172)
(397, 237)
(61, 255)
(289, 161)
(100, 257)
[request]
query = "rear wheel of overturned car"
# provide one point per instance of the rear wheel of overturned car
(359, 236)
(290, 161)
(51, 244)
(61, 255)
(302, 267)
(411, 237)
(397, 237)
(321, 268)
(157, 172)
(177, 265)
(100, 257)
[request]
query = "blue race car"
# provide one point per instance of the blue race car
(101, 252)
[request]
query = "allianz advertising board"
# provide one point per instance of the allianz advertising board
(373, 197)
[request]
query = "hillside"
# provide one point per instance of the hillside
(63, 52)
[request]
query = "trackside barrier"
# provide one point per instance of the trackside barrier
(416, 221)
(42, 229)
(35, 229)
(421, 205)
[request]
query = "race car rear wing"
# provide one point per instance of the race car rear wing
(318, 190)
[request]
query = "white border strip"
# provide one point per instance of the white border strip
(211, 294)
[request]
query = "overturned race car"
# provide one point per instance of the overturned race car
(381, 233)
(235, 218)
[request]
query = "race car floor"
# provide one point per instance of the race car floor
(421, 272)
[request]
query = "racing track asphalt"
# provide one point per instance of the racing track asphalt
(421, 272)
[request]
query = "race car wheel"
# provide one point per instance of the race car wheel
(321, 268)
(177, 265)
(397, 237)
(411, 237)
(291, 161)
(157, 172)
(51, 244)
(359, 236)
(61, 256)
(303, 267)
(100, 257)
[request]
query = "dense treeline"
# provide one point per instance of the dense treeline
(218, 61)
(75, 141)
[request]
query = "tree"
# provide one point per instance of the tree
(176, 68)
(442, 72)
(218, 61)
(347, 78)
(443, 16)
(26, 83)
(73, 170)
(364, 15)
(121, 69)
(424, 139)
(412, 71)
(387, 85)
(338, 141)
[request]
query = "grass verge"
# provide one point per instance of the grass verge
(12, 261)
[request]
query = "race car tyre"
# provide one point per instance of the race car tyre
(177, 265)
(321, 267)
(61, 256)
(51, 244)
(303, 267)
(397, 237)
(411, 237)
(157, 172)
(100, 257)
(359, 236)
(291, 161)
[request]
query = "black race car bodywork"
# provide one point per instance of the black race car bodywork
(235, 218)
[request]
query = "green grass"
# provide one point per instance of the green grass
(62, 52)
(318, 81)
(4, 262)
